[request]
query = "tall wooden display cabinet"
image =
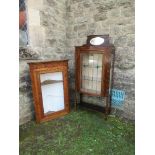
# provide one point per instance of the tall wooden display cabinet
(94, 63)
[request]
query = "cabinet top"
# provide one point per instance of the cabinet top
(97, 41)
(45, 61)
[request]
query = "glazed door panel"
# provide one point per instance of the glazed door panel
(52, 92)
(50, 89)
(91, 72)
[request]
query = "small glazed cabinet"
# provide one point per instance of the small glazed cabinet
(50, 89)
(93, 68)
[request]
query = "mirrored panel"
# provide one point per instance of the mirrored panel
(91, 72)
(97, 41)
(52, 92)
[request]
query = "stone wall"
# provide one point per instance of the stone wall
(47, 40)
(113, 17)
(55, 27)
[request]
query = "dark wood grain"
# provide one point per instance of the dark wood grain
(107, 50)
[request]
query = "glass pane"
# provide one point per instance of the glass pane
(91, 72)
(52, 92)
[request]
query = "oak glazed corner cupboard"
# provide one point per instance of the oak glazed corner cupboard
(50, 88)
(94, 63)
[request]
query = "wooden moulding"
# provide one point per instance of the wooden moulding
(49, 66)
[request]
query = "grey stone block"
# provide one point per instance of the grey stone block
(87, 4)
(128, 29)
(80, 27)
(82, 34)
(51, 42)
(52, 3)
(125, 3)
(81, 20)
(76, 1)
(100, 17)
(124, 59)
(26, 53)
(120, 40)
(128, 12)
(115, 30)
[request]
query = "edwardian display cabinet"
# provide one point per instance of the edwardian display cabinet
(50, 88)
(93, 71)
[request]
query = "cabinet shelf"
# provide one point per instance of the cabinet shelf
(47, 82)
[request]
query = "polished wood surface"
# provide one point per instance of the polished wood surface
(41, 67)
(107, 50)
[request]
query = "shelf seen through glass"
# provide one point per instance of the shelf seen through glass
(52, 92)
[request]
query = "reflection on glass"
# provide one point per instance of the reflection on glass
(91, 72)
(52, 92)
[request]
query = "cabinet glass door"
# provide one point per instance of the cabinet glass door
(52, 92)
(91, 73)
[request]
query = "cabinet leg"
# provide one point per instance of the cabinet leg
(75, 104)
(107, 108)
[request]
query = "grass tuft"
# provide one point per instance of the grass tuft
(79, 133)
